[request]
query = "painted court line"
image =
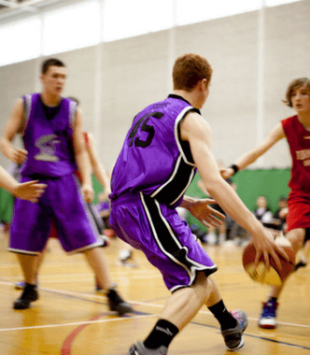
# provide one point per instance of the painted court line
(101, 297)
(67, 345)
(79, 323)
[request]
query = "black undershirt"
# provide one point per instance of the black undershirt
(50, 111)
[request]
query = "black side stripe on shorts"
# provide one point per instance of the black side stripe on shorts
(180, 179)
(167, 240)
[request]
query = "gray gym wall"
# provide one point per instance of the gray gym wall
(254, 56)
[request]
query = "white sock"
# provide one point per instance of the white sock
(124, 254)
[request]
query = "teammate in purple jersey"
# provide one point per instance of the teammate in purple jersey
(51, 128)
(166, 143)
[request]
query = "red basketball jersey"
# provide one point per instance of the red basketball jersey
(299, 143)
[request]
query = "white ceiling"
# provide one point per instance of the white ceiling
(13, 8)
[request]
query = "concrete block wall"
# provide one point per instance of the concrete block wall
(115, 80)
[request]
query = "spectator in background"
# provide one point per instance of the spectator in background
(235, 234)
(262, 212)
(215, 235)
(279, 217)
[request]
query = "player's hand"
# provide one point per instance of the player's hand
(208, 216)
(18, 156)
(226, 172)
(265, 245)
(105, 194)
(88, 193)
(30, 190)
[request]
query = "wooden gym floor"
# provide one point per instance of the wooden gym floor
(70, 318)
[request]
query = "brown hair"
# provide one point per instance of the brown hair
(49, 63)
(188, 70)
(295, 84)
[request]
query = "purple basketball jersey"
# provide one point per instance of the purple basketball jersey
(154, 159)
(48, 141)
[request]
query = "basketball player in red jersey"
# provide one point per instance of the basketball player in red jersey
(296, 129)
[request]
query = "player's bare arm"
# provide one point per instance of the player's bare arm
(14, 126)
(30, 191)
(198, 133)
(97, 167)
(250, 157)
(82, 158)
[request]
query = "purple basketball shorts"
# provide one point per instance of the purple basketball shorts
(61, 201)
(165, 239)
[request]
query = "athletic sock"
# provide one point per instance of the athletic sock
(162, 334)
(225, 318)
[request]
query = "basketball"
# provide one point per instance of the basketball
(274, 276)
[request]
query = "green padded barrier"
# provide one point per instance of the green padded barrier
(271, 183)
(6, 205)
(251, 183)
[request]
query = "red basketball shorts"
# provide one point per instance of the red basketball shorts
(298, 210)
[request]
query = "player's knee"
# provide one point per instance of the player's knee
(205, 286)
(296, 238)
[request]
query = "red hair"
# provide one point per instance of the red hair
(188, 70)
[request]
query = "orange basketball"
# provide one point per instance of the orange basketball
(274, 276)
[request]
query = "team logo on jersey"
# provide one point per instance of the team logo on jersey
(47, 146)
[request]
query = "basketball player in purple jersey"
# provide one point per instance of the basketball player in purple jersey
(51, 128)
(30, 190)
(167, 142)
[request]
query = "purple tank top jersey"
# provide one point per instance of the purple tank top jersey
(154, 159)
(48, 140)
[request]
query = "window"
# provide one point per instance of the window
(20, 41)
(71, 27)
(194, 11)
(271, 3)
(123, 19)
(83, 24)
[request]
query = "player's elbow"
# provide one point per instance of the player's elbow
(213, 185)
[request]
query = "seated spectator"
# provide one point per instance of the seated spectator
(279, 217)
(262, 212)
(215, 235)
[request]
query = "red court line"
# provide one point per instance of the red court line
(66, 346)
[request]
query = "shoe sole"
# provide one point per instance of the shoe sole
(242, 328)
(241, 344)
(16, 306)
(267, 326)
(121, 310)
